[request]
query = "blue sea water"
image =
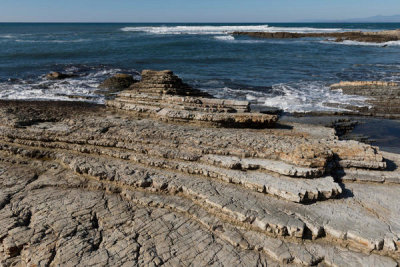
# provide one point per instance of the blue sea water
(292, 74)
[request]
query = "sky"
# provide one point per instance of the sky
(192, 10)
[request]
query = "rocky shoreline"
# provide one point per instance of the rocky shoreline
(368, 37)
(383, 97)
(166, 175)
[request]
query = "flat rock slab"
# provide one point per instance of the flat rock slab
(390, 175)
(61, 218)
(99, 187)
(383, 97)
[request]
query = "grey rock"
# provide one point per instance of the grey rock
(88, 185)
(162, 95)
(383, 97)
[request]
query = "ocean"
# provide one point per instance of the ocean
(291, 74)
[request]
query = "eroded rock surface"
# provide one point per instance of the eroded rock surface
(383, 97)
(87, 185)
(162, 95)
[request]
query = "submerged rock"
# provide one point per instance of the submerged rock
(58, 76)
(118, 82)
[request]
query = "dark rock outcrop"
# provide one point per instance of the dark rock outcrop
(58, 76)
(118, 82)
(373, 37)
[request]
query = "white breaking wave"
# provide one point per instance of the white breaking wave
(52, 41)
(72, 89)
(225, 37)
(391, 43)
(232, 39)
(303, 29)
(349, 42)
(207, 30)
(296, 97)
(308, 97)
(7, 36)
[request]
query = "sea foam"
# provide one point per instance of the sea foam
(80, 88)
(224, 37)
(356, 43)
(294, 97)
(222, 29)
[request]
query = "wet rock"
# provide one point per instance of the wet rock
(118, 82)
(383, 97)
(369, 88)
(58, 76)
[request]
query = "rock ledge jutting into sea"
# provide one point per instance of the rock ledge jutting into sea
(162, 95)
(359, 36)
(167, 175)
(383, 97)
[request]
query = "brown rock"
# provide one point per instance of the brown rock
(374, 37)
(118, 82)
(384, 97)
(58, 76)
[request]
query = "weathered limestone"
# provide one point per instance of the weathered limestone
(362, 86)
(376, 176)
(384, 97)
(162, 95)
(83, 184)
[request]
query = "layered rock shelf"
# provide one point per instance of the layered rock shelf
(383, 98)
(162, 95)
(123, 184)
(369, 37)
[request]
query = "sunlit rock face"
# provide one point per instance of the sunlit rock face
(125, 184)
(383, 97)
(162, 95)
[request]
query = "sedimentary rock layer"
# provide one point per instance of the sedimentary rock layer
(372, 37)
(84, 185)
(383, 97)
(162, 95)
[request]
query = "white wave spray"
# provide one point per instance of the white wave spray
(223, 29)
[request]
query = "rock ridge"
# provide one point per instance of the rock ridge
(369, 37)
(163, 95)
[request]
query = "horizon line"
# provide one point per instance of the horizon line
(197, 22)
